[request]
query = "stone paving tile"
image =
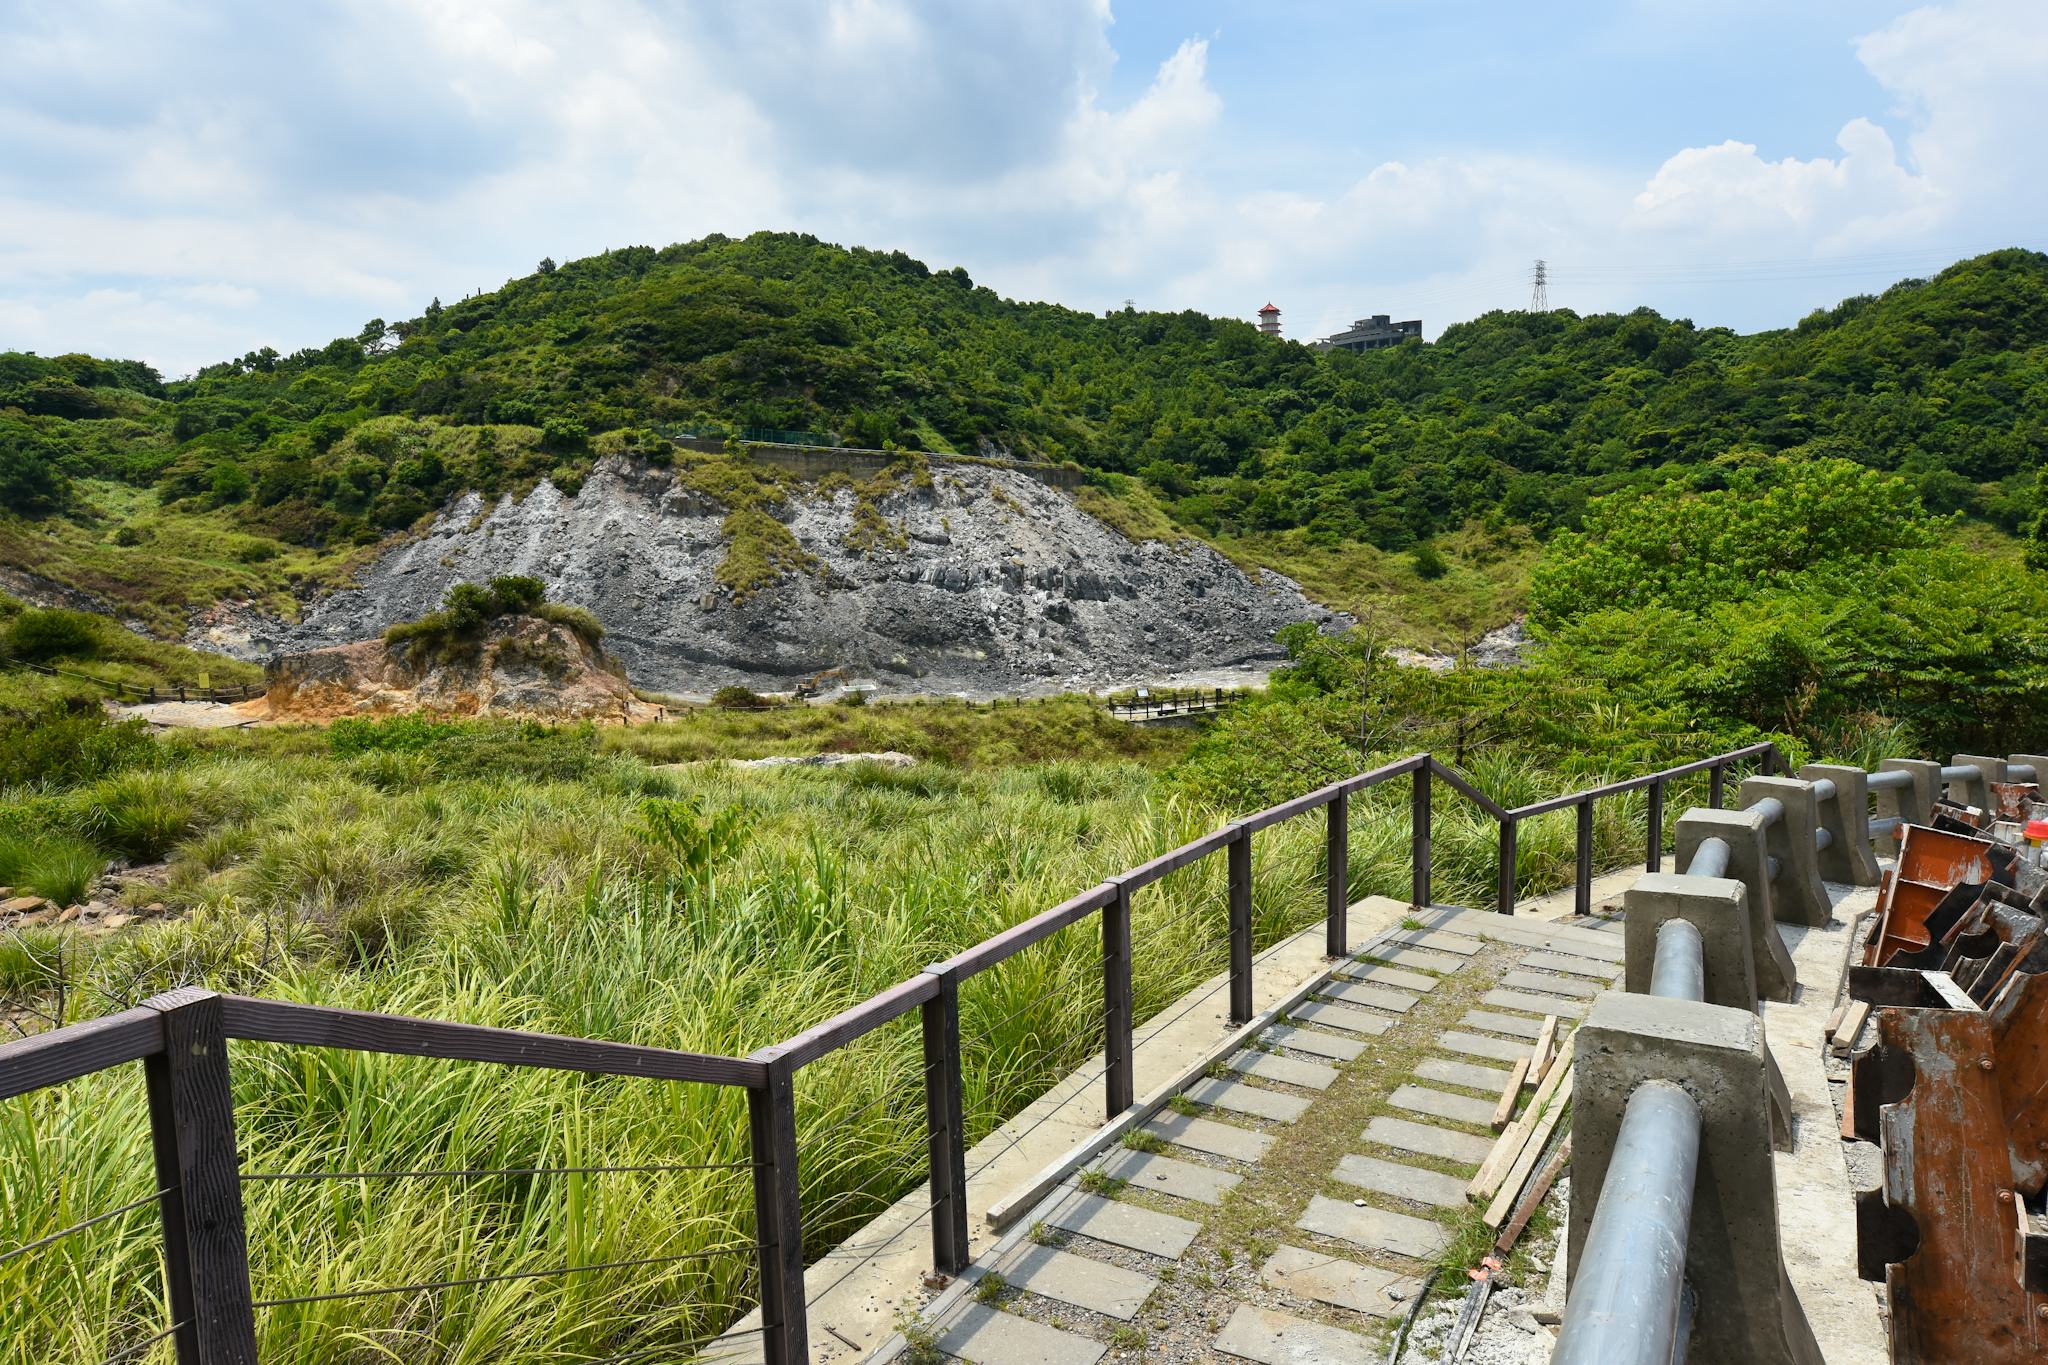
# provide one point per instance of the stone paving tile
(1420, 957)
(1426, 1139)
(1575, 966)
(1310, 1040)
(1333, 1280)
(1435, 940)
(1165, 1175)
(1405, 1182)
(1082, 1281)
(1379, 997)
(1489, 1078)
(1548, 935)
(1479, 1045)
(1286, 1070)
(1389, 976)
(1240, 1098)
(1207, 1135)
(1124, 1225)
(987, 1337)
(1374, 1229)
(1534, 1004)
(1514, 1025)
(1348, 1017)
(1275, 1338)
(1438, 1104)
(1545, 984)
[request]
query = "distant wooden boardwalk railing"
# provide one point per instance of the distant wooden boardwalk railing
(182, 1040)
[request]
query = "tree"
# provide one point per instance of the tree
(29, 487)
(547, 265)
(374, 338)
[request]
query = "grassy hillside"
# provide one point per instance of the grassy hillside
(259, 475)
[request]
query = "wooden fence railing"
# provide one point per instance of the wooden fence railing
(182, 1039)
(152, 693)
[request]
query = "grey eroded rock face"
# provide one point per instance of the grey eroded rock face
(1001, 585)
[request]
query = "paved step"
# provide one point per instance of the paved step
(1165, 1175)
(1286, 1070)
(1402, 956)
(1274, 1338)
(1514, 1025)
(1434, 940)
(1348, 1017)
(1360, 993)
(1403, 1182)
(1333, 1280)
(1479, 1045)
(1240, 1098)
(1207, 1135)
(1403, 1234)
(987, 1337)
(1534, 1004)
(1487, 1078)
(1389, 976)
(1124, 1225)
(1548, 935)
(1438, 1104)
(1574, 966)
(1543, 984)
(1428, 1140)
(1082, 1281)
(1309, 1040)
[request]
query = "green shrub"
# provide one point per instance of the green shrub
(737, 699)
(71, 741)
(1429, 562)
(354, 735)
(40, 634)
(458, 626)
(141, 814)
(56, 867)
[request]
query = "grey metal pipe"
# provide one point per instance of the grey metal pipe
(1895, 777)
(1680, 969)
(1823, 837)
(1710, 859)
(1955, 772)
(1771, 808)
(1824, 789)
(2020, 772)
(1771, 867)
(1889, 825)
(1628, 1297)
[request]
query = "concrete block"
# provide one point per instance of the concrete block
(1749, 1312)
(1975, 790)
(1374, 1229)
(1915, 803)
(1490, 1080)
(1403, 1182)
(1716, 906)
(1271, 1337)
(1797, 894)
(1743, 832)
(1328, 1279)
(1426, 1139)
(1845, 816)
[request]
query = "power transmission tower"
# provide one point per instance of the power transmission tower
(1539, 295)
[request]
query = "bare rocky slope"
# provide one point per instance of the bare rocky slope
(980, 581)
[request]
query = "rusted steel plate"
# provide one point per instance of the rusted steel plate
(2019, 1025)
(1942, 1233)
(2010, 800)
(1932, 863)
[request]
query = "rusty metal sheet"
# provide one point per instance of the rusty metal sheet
(1941, 1231)
(2011, 800)
(2019, 1024)
(1932, 862)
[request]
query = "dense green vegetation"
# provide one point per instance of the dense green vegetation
(90, 654)
(1512, 420)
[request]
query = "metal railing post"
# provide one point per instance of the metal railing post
(1504, 886)
(1582, 863)
(1716, 776)
(945, 1122)
(1418, 837)
(1240, 862)
(192, 1132)
(1119, 1086)
(778, 1217)
(1653, 860)
(1337, 878)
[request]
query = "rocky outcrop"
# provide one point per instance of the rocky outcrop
(979, 580)
(521, 666)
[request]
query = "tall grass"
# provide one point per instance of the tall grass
(537, 904)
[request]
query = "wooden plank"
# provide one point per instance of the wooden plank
(1043, 925)
(1509, 1093)
(1852, 1024)
(1532, 1150)
(858, 1020)
(1525, 1207)
(1509, 1147)
(1546, 1044)
(276, 1021)
(65, 1054)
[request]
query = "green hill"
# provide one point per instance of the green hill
(1513, 419)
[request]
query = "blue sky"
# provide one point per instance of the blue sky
(187, 182)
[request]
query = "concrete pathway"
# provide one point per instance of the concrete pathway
(1284, 1207)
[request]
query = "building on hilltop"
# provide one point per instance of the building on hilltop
(1269, 320)
(1372, 334)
